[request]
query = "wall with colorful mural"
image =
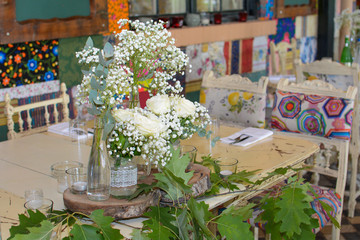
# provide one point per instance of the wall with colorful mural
(42, 62)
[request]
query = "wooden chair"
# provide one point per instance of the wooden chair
(341, 77)
(283, 55)
(312, 110)
(11, 110)
(235, 99)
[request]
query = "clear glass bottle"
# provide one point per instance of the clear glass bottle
(123, 177)
(98, 188)
(346, 57)
(357, 52)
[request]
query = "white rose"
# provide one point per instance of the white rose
(122, 115)
(184, 107)
(148, 126)
(159, 104)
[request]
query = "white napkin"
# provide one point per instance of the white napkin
(250, 136)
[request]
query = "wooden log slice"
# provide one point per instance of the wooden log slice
(116, 208)
(123, 209)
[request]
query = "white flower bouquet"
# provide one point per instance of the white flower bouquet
(149, 132)
(145, 57)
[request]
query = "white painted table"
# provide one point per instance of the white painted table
(25, 164)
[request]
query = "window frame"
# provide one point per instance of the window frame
(191, 8)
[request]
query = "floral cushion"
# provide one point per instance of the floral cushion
(329, 197)
(324, 116)
(245, 108)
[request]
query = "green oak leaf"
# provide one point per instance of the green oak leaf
(291, 213)
(271, 227)
(34, 219)
(138, 235)
(182, 224)
(172, 185)
(233, 227)
(161, 215)
(141, 188)
(177, 165)
(201, 215)
(43, 232)
(85, 232)
(159, 232)
(245, 212)
(104, 223)
(242, 177)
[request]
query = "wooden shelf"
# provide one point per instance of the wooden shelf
(223, 32)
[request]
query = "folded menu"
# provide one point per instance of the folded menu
(247, 136)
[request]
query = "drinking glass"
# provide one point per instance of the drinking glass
(34, 194)
(45, 205)
(213, 130)
(190, 150)
(77, 179)
(58, 171)
(228, 167)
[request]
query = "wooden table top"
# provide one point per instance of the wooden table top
(25, 164)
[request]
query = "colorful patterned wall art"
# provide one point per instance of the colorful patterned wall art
(117, 9)
(260, 49)
(246, 55)
(285, 30)
(28, 63)
(227, 56)
(194, 69)
(266, 9)
(206, 56)
(308, 49)
(306, 26)
(235, 60)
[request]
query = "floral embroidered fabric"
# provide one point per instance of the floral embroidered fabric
(324, 116)
(28, 63)
(245, 108)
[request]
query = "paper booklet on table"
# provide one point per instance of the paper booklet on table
(63, 129)
(247, 136)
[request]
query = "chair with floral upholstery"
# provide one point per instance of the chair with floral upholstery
(235, 99)
(317, 111)
(341, 77)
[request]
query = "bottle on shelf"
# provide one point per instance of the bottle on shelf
(357, 52)
(346, 57)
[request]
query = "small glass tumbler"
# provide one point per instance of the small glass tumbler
(213, 130)
(78, 131)
(190, 150)
(217, 18)
(45, 205)
(34, 194)
(177, 22)
(77, 179)
(228, 167)
(243, 16)
(205, 18)
(58, 171)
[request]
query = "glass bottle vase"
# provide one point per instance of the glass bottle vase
(123, 177)
(98, 188)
